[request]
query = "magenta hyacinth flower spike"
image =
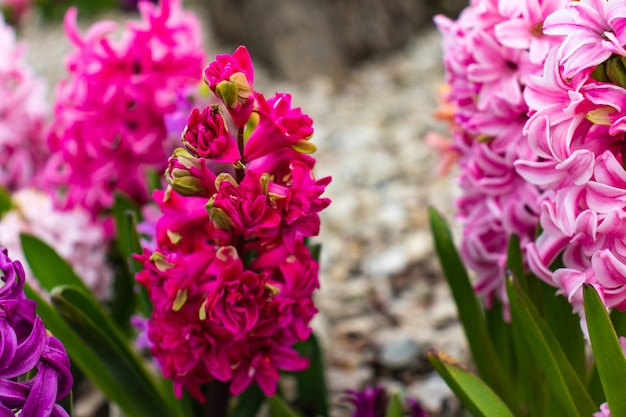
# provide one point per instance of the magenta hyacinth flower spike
(25, 346)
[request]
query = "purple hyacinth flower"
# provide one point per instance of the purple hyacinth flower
(373, 402)
(24, 347)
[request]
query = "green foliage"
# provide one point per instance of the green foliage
(471, 313)
(479, 399)
(541, 350)
(394, 408)
(312, 381)
(607, 351)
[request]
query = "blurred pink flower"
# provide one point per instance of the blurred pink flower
(109, 125)
(23, 150)
(72, 233)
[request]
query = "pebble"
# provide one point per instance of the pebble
(398, 354)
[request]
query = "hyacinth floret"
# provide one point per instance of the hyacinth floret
(109, 123)
(27, 347)
(229, 273)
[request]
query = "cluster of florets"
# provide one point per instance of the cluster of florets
(489, 53)
(109, 125)
(577, 131)
(23, 151)
(230, 276)
(34, 367)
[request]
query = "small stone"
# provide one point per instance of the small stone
(401, 353)
(390, 261)
(432, 392)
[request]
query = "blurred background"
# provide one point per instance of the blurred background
(368, 72)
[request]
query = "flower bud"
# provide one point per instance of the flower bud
(184, 174)
(207, 136)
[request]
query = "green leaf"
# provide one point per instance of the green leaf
(563, 380)
(278, 408)
(48, 267)
(6, 204)
(126, 213)
(141, 397)
(312, 393)
(249, 402)
(394, 409)
(618, 318)
(565, 326)
(479, 399)
(515, 261)
(528, 377)
(594, 385)
(82, 355)
(607, 352)
(470, 310)
(556, 310)
(123, 304)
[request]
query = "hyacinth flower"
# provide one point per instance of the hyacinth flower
(579, 137)
(229, 272)
(26, 348)
(374, 401)
(489, 54)
(23, 150)
(109, 124)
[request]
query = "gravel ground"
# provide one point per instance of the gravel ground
(383, 302)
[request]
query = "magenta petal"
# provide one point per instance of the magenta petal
(28, 352)
(8, 344)
(13, 394)
(40, 402)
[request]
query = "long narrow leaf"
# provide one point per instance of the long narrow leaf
(249, 402)
(608, 354)
(469, 308)
(529, 378)
(394, 409)
(565, 384)
(47, 265)
(278, 408)
(479, 399)
(312, 394)
(556, 310)
(97, 331)
(565, 325)
(83, 356)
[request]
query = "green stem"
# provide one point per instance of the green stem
(240, 173)
(217, 398)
